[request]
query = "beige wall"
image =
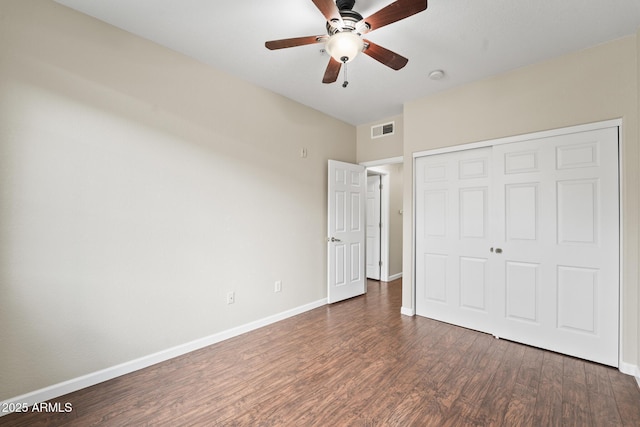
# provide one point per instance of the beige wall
(138, 187)
(592, 85)
(387, 147)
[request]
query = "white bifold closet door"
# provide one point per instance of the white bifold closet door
(521, 240)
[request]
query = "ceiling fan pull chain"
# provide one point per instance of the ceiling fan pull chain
(345, 75)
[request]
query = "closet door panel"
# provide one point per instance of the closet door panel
(521, 240)
(559, 213)
(453, 194)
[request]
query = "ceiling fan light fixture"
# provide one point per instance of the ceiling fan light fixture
(344, 46)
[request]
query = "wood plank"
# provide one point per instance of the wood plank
(548, 410)
(476, 389)
(597, 379)
(495, 403)
(521, 407)
(575, 404)
(530, 369)
(627, 395)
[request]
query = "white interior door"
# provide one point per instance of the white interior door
(374, 226)
(346, 228)
(453, 238)
(537, 237)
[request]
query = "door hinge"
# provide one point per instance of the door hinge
(380, 225)
(380, 263)
(380, 186)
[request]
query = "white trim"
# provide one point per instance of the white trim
(412, 290)
(629, 369)
(620, 252)
(385, 229)
(407, 311)
(94, 378)
(383, 162)
(394, 277)
(523, 137)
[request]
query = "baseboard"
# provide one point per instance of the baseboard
(407, 311)
(394, 277)
(94, 378)
(627, 368)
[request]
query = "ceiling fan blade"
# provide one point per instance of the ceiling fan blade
(332, 71)
(330, 11)
(296, 41)
(385, 56)
(396, 11)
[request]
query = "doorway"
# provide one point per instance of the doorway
(384, 218)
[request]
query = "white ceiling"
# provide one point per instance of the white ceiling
(468, 39)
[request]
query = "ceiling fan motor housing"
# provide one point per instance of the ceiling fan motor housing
(353, 22)
(345, 4)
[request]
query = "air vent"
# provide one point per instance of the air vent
(378, 131)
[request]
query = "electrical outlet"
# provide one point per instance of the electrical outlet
(231, 297)
(278, 287)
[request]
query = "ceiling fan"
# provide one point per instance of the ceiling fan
(345, 28)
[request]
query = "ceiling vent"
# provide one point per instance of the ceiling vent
(378, 131)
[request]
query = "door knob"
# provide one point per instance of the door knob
(498, 250)
(333, 239)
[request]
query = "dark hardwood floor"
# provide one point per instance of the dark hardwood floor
(361, 363)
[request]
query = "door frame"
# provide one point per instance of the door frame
(625, 368)
(370, 174)
(384, 210)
